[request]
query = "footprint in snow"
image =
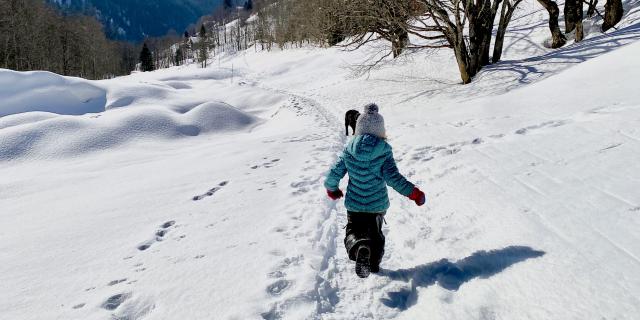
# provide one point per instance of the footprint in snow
(159, 235)
(276, 288)
(552, 124)
(267, 165)
(144, 246)
(114, 282)
(168, 224)
(211, 191)
(115, 301)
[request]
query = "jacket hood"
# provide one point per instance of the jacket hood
(367, 147)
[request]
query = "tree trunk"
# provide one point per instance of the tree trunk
(592, 8)
(612, 14)
(480, 17)
(399, 42)
(475, 34)
(505, 17)
(463, 66)
(462, 58)
(570, 16)
(558, 39)
(488, 16)
(579, 25)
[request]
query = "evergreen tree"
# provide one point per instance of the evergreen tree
(203, 52)
(248, 5)
(146, 59)
(228, 4)
(179, 56)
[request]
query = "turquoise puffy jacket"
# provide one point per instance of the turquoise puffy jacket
(371, 167)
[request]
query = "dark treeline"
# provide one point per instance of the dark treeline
(35, 36)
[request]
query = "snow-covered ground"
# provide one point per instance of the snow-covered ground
(194, 193)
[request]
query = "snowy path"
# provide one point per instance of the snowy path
(342, 295)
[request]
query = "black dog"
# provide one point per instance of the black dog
(350, 119)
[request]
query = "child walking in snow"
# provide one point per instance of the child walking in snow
(369, 161)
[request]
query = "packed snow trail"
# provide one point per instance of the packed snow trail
(342, 295)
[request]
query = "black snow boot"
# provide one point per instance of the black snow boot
(375, 268)
(363, 264)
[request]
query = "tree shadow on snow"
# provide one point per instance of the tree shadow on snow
(452, 275)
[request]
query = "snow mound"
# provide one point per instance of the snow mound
(64, 136)
(24, 118)
(45, 91)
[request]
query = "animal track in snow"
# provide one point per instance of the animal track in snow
(211, 191)
(267, 164)
(428, 153)
(552, 124)
(78, 306)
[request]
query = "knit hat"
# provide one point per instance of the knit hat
(371, 122)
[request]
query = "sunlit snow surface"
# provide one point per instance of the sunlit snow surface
(198, 193)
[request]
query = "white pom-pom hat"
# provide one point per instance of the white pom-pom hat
(371, 122)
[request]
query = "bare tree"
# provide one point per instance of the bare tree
(579, 22)
(591, 9)
(34, 36)
(506, 13)
(557, 37)
(612, 14)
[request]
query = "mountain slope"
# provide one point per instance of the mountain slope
(134, 20)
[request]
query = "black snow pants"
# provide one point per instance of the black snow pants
(365, 228)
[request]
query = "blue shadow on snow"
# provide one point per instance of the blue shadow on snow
(451, 275)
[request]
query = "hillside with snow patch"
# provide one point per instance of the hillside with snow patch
(197, 193)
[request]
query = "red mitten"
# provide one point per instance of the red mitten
(335, 195)
(417, 196)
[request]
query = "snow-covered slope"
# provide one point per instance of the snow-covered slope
(198, 194)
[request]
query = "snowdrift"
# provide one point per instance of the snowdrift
(45, 91)
(45, 115)
(70, 135)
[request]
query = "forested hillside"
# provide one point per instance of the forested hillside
(35, 36)
(135, 20)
